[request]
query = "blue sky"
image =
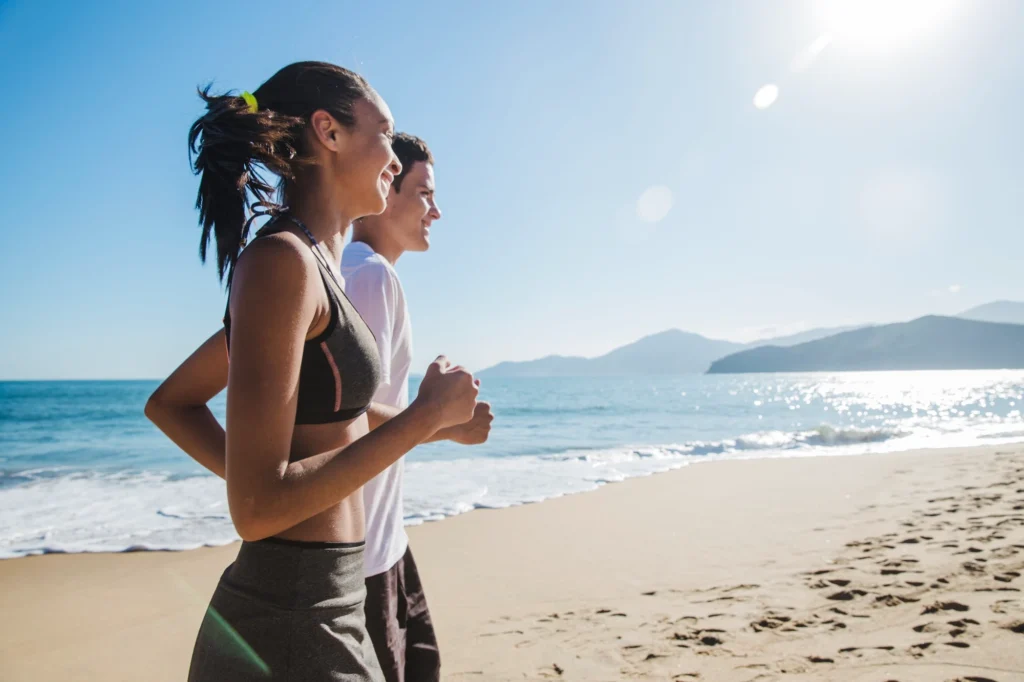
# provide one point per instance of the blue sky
(884, 183)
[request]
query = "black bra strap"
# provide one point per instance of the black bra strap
(259, 210)
(302, 226)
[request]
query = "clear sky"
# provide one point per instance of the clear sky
(604, 168)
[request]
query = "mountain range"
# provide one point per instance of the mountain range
(931, 342)
(982, 337)
(1009, 312)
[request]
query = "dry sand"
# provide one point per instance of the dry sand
(900, 567)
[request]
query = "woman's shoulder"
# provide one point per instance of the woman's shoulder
(277, 266)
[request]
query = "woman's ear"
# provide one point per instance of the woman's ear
(327, 131)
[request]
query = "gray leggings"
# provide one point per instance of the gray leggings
(287, 612)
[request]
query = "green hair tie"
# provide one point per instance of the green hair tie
(250, 99)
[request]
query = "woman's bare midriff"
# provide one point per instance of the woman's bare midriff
(344, 522)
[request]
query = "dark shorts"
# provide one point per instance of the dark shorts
(398, 621)
(287, 612)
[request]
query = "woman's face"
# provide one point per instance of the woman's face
(365, 164)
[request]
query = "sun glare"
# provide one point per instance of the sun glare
(883, 24)
(654, 204)
(766, 96)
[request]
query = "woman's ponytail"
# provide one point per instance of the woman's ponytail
(229, 146)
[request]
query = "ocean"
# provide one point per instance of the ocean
(82, 470)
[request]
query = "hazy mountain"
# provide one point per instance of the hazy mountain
(927, 343)
(1010, 312)
(550, 366)
(803, 337)
(669, 352)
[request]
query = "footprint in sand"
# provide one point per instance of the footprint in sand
(894, 600)
(823, 571)
(858, 649)
(945, 606)
(770, 622)
(1004, 606)
(840, 612)
(1005, 552)
(499, 634)
(705, 637)
(846, 595)
(963, 622)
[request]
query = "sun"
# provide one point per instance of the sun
(884, 24)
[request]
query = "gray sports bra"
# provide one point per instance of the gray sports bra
(340, 368)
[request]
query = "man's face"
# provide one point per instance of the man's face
(411, 210)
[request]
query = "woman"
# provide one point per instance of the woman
(303, 367)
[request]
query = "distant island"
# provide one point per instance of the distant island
(931, 342)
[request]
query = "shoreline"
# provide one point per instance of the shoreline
(517, 591)
(501, 479)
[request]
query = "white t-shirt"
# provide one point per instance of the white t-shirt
(372, 285)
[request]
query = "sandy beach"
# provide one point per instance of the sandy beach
(900, 567)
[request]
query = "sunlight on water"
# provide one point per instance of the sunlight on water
(81, 470)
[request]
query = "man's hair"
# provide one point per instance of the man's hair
(409, 149)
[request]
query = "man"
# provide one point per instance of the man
(397, 617)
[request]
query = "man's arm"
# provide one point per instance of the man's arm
(374, 294)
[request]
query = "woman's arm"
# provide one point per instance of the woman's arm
(273, 307)
(178, 406)
(473, 432)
